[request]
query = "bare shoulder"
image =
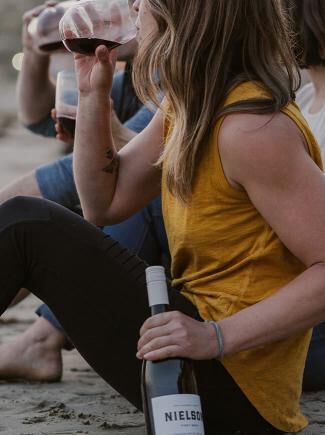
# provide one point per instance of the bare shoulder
(266, 156)
(256, 145)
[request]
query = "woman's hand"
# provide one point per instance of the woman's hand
(95, 73)
(173, 334)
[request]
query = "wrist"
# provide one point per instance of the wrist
(30, 51)
(97, 97)
(100, 94)
(94, 109)
(216, 339)
(36, 60)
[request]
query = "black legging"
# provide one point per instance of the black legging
(97, 290)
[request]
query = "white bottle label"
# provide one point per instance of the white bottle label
(179, 414)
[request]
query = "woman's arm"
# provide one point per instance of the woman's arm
(112, 185)
(268, 158)
(270, 161)
(35, 92)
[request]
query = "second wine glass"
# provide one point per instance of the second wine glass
(66, 101)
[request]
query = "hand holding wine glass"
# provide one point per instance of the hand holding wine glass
(42, 26)
(91, 28)
(95, 73)
(30, 16)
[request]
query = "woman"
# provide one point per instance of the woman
(245, 228)
(308, 17)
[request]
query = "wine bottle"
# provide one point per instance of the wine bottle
(170, 400)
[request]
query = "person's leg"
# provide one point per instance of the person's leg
(53, 181)
(37, 352)
(62, 259)
(26, 185)
(314, 374)
(109, 284)
(56, 183)
(228, 410)
(144, 235)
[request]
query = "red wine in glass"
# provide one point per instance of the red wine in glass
(87, 46)
(68, 125)
(52, 46)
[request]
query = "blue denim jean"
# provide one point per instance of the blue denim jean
(56, 183)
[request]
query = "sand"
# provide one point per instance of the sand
(82, 403)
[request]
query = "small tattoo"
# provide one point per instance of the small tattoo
(114, 162)
(109, 154)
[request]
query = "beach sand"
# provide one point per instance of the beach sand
(82, 403)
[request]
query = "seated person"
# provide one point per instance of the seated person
(36, 354)
(232, 146)
(309, 20)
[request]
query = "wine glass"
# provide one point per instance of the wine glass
(66, 101)
(90, 23)
(44, 29)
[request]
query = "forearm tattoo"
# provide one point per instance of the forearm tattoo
(113, 165)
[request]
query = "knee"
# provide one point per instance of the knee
(22, 208)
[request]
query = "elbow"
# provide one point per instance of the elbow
(97, 219)
(100, 218)
(102, 214)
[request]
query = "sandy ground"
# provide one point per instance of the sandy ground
(82, 403)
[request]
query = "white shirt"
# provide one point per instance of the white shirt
(316, 121)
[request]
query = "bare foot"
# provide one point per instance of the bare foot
(34, 355)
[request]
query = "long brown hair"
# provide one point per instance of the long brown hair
(200, 52)
(308, 19)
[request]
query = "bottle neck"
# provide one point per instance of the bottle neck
(158, 309)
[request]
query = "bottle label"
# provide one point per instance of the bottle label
(178, 414)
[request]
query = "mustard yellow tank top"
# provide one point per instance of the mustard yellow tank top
(226, 257)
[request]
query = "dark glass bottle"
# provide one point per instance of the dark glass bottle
(169, 392)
